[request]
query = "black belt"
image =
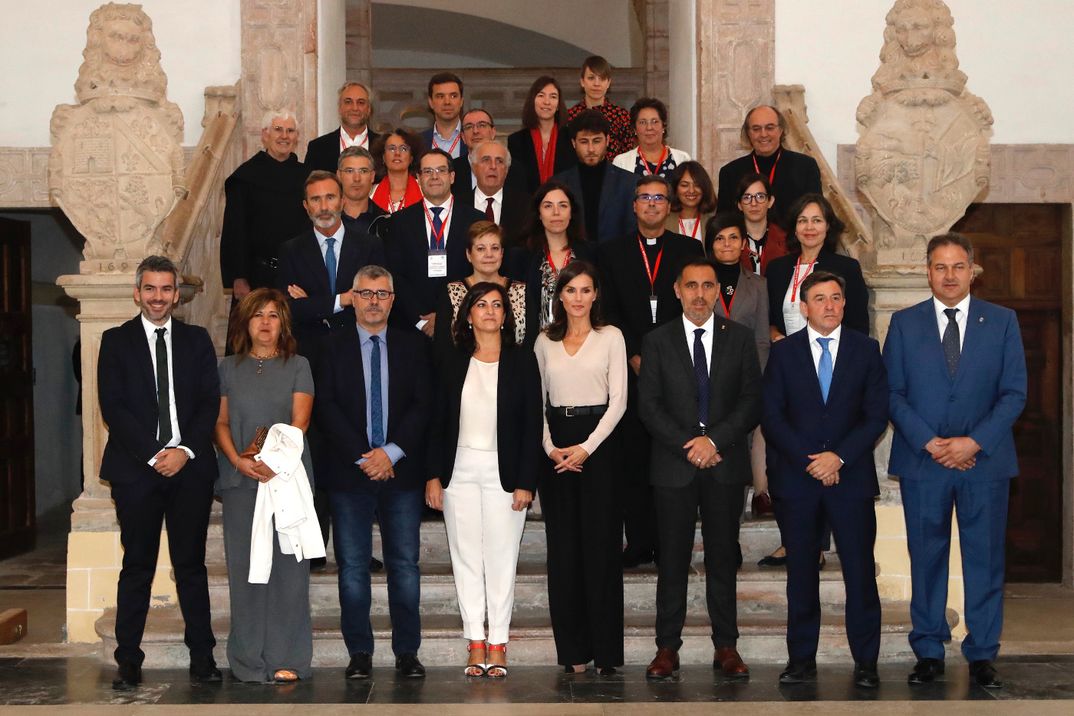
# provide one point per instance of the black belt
(270, 262)
(577, 411)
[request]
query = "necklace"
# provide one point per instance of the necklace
(261, 360)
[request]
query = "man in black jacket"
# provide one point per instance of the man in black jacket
(355, 108)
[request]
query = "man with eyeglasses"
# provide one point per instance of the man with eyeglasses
(638, 294)
(426, 243)
(791, 174)
(355, 170)
(477, 127)
(355, 109)
(374, 398)
(263, 208)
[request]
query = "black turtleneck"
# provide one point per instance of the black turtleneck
(592, 179)
(727, 275)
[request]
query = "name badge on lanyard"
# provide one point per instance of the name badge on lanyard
(437, 256)
(437, 264)
(651, 273)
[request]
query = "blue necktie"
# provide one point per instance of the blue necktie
(824, 370)
(701, 373)
(436, 244)
(376, 400)
(330, 264)
(951, 350)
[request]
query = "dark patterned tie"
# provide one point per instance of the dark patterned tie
(701, 373)
(330, 264)
(825, 367)
(951, 349)
(436, 239)
(376, 400)
(489, 213)
(164, 408)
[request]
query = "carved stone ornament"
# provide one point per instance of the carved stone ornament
(923, 152)
(116, 167)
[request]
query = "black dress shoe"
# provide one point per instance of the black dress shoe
(318, 564)
(360, 667)
(375, 565)
(800, 672)
(925, 671)
(635, 558)
(409, 667)
(205, 672)
(772, 561)
(984, 675)
(128, 677)
(865, 675)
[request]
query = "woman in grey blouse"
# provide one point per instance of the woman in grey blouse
(263, 383)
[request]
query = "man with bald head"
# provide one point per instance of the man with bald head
(791, 174)
(477, 126)
(355, 109)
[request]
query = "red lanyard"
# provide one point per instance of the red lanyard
(727, 304)
(645, 162)
(552, 264)
(650, 273)
(437, 243)
(692, 234)
(771, 174)
(546, 156)
(451, 149)
(809, 270)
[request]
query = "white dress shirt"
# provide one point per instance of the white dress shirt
(961, 318)
(151, 336)
(814, 345)
(345, 141)
(706, 338)
(445, 216)
(337, 249)
(481, 200)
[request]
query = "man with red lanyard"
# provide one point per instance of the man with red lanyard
(355, 108)
(791, 174)
(445, 102)
(638, 294)
(426, 244)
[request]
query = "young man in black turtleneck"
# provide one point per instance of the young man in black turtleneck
(604, 191)
(638, 294)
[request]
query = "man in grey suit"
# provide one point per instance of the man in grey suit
(700, 395)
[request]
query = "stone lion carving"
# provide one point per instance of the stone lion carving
(923, 152)
(116, 167)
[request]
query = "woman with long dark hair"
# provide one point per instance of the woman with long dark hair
(541, 148)
(693, 199)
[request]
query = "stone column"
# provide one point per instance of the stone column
(360, 41)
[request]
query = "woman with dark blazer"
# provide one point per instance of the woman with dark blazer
(484, 457)
(542, 148)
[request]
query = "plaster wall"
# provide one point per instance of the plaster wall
(332, 65)
(682, 76)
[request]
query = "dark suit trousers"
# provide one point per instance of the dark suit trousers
(639, 519)
(982, 529)
(142, 505)
(676, 520)
(802, 522)
(584, 535)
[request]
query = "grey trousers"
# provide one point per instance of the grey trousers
(270, 623)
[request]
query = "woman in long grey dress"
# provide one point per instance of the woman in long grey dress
(263, 383)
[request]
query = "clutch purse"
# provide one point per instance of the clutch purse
(254, 448)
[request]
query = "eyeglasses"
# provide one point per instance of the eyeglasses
(470, 126)
(434, 171)
(397, 149)
(651, 198)
(759, 198)
(655, 122)
(367, 294)
(361, 171)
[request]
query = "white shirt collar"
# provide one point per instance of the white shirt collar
(962, 306)
(150, 328)
(482, 198)
(448, 203)
(690, 327)
(454, 132)
(358, 141)
(338, 235)
(814, 334)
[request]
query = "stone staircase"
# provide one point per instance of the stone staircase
(761, 609)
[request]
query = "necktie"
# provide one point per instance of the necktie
(435, 243)
(164, 409)
(330, 264)
(376, 400)
(951, 349)
(824, 370)
(489, 213)
(701, 373)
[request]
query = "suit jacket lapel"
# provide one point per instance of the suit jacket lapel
(311, 254)
(719, 349)
(143, 356)
(683, 352)
(805, 360)
(844, 359)
(348, 256)
(975, 324)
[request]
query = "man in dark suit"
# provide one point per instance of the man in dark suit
(477, 127)
(501, 203)
(791, 174)
(638, 295)
(699, 396)
(426, 245)
(355, 108)
(957, 371)
(374, 398)
(160, 397)
(824, 408)
(604, 191)
(446, 96)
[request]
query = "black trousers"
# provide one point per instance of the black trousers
(677, 508)
(182, 503)
(639, 519)
(582, 527)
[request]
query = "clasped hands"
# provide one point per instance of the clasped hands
(169, 461)
(824, 466)
(701, 451)
(954, 453)
(377, 466)
(568, 459)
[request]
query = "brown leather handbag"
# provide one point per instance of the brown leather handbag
(255, 447)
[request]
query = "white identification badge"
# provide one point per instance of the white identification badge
(437, 264)
(652, 306)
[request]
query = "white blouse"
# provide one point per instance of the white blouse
(477, 414)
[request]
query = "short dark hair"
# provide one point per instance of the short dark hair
(529, 114)
(156, 264)
(951, 238)
(360, 152)
(835, 225)
(592, 121)
(534, 232)
(744, 134)
(652, 179)
(320, 175)
(749, 180)
(599, 66)
(441, 78)
(650, 103)
(821, 277)
(723, 220)
(557, 329)
(697, 261)
(412, 140)
(487, 113)
(463, 332)
(435, 151)
(698, 173)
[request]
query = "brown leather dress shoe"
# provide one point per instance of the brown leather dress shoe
(664, 665)
(728, 660)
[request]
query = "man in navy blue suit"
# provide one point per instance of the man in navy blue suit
(825, 405)
(958, 382)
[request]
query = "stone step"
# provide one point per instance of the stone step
(762, 638)
(759, 589)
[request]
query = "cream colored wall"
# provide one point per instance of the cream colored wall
(332, 62)
(682, 75)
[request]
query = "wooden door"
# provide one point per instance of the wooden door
(16, 391)
(1020, 248)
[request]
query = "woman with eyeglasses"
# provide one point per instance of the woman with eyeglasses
(652, 156)
(692, 202)
(542, 148)
(397, 153)
(765, 239)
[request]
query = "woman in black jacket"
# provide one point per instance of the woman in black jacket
(542, 148)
